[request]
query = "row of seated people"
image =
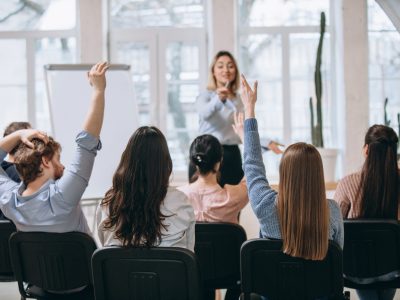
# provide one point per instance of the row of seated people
(141, 209)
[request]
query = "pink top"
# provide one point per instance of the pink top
(216, 204)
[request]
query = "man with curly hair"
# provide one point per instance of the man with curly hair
(47, 199)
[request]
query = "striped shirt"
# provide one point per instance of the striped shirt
(347, 196)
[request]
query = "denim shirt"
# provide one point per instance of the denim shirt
(55, 207)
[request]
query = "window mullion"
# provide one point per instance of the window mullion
(31, 88)
(287, 123)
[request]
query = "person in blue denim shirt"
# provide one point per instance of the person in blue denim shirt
(48, 199)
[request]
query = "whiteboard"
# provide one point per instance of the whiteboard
(69, 96)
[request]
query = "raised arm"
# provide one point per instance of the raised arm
(21, 136)
(95, 115)
(76, 177)
(262, 197)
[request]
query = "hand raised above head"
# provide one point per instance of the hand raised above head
(96, 76)
(238, 125)
(249, 96)
(27, 135)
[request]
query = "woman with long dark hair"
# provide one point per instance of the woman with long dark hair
(140, 209)
(373, 192)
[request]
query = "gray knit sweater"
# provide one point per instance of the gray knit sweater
(263, 198)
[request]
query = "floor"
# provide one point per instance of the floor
(9, 291)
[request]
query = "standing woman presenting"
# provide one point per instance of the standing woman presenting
(217, 107)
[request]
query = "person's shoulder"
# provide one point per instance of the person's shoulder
(178, 203)
(351, 177)
(186, 189)
(175, 197)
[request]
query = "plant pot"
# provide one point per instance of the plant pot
(329, 158)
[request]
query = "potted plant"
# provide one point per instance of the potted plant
(328, 156)
(387, 123)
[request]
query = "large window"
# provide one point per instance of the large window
(32, 34)
(164, 42)
(278, 42)
(384, 66)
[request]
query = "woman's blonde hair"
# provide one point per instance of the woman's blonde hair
(212, 84)
(302, 206)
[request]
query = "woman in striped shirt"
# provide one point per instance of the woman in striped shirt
(373, 192)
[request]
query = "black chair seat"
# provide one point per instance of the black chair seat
(371, 249)
(6, 272)
(56, 262)
(158, 273)
(267, 271)
(39, 293)
(218, 251)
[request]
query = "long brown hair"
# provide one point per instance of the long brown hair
(378, 188)
(140, 185)
(212, 84)
(302, 206)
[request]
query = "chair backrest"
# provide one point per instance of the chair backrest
(218, 251)
(371, 247)
(52, 261)
(157, 273)
(267, 271)
(6, 229)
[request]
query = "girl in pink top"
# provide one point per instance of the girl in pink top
(211, 202)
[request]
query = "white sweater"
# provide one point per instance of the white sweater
(180, 223)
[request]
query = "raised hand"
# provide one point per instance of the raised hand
(249, 97)
(238, 125)
(96, 76)
(27, 135)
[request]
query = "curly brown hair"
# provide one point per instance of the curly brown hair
(28, 160)
(14, 126)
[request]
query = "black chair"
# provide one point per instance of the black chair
(6, 229)
(371, 249)
(267, 271)
(145, 274)
(53, 265)
(218, 251)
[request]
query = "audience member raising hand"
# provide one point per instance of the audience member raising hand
(48, 198)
